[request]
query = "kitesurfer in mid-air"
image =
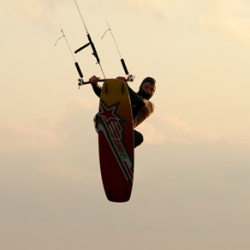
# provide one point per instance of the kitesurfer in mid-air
(142, 108)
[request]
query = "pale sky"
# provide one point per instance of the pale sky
(191, 186)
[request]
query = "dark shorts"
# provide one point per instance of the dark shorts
(138, 138)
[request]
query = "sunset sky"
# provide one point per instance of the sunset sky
(191, 185)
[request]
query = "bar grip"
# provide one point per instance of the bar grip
(81, 82)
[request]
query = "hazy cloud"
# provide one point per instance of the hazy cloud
(230, 18)
(150, 134)
(177, 131)
(26, 10)
(25, 137)
(64, 145)
(157, 9)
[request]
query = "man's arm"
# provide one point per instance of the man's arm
(96, 87)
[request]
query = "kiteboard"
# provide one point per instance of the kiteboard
(116, 140)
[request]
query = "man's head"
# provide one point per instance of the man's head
(147, 88)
